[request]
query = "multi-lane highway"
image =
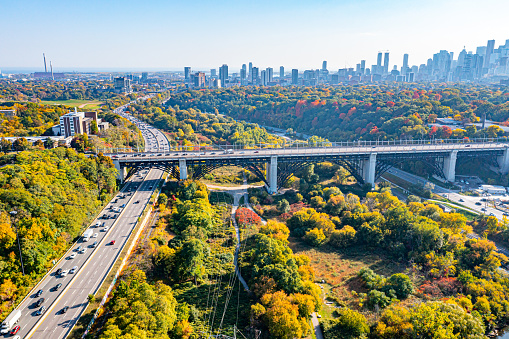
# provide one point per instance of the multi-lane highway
(91, 260)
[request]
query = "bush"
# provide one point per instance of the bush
(349, 325)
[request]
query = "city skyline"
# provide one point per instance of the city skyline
(294, 34)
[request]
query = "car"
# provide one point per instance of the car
(122, 206)
(257, 151)
(59, 271)
(492, 214)
(373, 146)
(39, 302)
(467, 146)
(461, 200)
(151, 187)
(318, 315)
(105, 229)
(64, 310)
(41, 310)
(79, 248)
(184, 153)
(72, 270)
(17, 337)
(39, 293)
(97, 224)
(95, 235)
(15, 330)
(478, 203)
(483, 209)
(213, 153)
(64, 273)
(83, 251)
(94, 244)
(112, 242)
(241, 153)
(57, 287)
(137, 202)
(72, 256)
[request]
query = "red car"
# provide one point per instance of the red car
(112, 242)
(15, 330)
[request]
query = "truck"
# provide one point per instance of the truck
(10, 321)
(88, 233)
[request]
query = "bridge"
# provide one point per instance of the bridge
(366, 161)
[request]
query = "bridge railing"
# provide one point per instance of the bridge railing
(314, 144)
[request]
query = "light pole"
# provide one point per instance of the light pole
(14, 214)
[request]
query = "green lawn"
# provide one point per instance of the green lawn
(87, 104)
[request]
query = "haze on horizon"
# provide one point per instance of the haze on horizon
(172, 34)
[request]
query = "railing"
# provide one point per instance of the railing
(323, 144)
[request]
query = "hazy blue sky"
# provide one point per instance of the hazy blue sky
(204, 33)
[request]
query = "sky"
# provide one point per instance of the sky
(204, 34)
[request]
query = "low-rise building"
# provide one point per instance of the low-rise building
(8, 113)
(492, 189)
(76, 122)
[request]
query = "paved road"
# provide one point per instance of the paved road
(92, 266)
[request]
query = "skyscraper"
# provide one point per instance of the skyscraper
(489, 51)
(281, 72)
(378, 64)
(223, 74)
(404, 69)
(263, 78)
(254, 75)
(324, 65)
(251, 71)
(213, 72)
(244, 67)
(295, 76)
(363, 66)
(243, 76)
(270, 74)
(187, 72)
(386, 63)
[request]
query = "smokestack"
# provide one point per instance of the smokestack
(45, 69)
(51, 67)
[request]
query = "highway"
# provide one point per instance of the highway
(92, 266)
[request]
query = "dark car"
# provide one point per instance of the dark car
(59, 271)
(478, 203)
(64, 310)
(57, 287)
(39, 293)
(137, 202)
(41, 310)
(39, 302)
(15, 330)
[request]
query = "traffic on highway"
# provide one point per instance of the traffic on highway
(56, 303)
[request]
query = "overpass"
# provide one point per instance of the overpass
(366, 160)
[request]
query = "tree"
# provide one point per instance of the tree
(315, 237)
(5, 145)
(93, 127)
(343, 237)
(190, 260)
(20, 144)
(283, 319)
(163, 199)
(350, 324)
(49, 143)
(401, 284)
(283, 206)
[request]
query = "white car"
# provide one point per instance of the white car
(83, 251)
(72, 270)
(95, 235)
(106, 229)
(64, 273)
(72, 256)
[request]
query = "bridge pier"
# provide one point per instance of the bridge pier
(450, 166)
(121, 172)
(272, 175)
(183, 169)
(369, 170)
(503, 161)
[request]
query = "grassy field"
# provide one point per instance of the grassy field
(86, 104)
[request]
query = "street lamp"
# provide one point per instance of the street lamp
(13, 215)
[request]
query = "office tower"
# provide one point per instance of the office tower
(405, 64)
(244, 67)
(223, 74)
(489, 51)
(386, 63)
(281, 72)
(358, 68)
(198, 79)
(378, 63)
(461, 57)
(144, 77)
(270, 74)
(363, 66)
(324, 65)
(263, 78)
(295, 76)
(242, 76)
(254, 75)
(187, 72)
(251, 71)
(213, 73)
(411, 77)
(481, 50)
